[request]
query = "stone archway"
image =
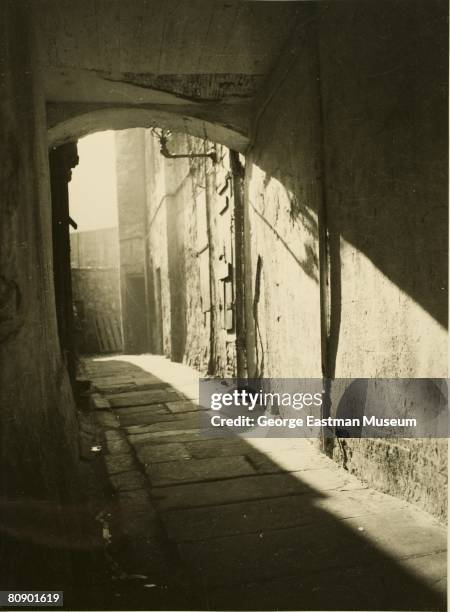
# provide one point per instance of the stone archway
(68, 123)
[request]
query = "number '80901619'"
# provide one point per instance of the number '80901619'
(31, 598)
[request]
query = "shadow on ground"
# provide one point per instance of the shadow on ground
(184, 521)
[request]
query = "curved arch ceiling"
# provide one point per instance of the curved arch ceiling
(192, 66)
(77, 124)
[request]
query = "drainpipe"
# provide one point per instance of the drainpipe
(327, 443)
(238, 171)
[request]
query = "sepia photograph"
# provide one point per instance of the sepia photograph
(224, 305)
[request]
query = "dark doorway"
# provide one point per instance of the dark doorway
(136, 314)
(159, 329)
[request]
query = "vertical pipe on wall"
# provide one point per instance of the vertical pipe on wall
(212, 313)
(238, 173)
(325, 271)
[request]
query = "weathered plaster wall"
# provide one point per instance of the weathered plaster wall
(369, 89)
(385, 108)
(39, 483)
(189, 243)
(282, 202)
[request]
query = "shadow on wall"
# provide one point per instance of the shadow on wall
(298, 214)
(380, 107)
(385, 119)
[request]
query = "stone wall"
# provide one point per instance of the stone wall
(96, 293)
(386, 191)
(283, 199)
(40, 485)
(190, 244)
(95, 248)
(96, 290)
(349, 153)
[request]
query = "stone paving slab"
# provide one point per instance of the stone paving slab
(285, 461)
(141, 410)
(239, 489)
(261, 515)
(184, 406)
(128, 386)
(380, 586)
(295, 459)
(107, 420)
(155, 453)
(174, 423)
(114, 435)
(127, 374)
(121, 462)
(114, 373)
(222, 447)
(316, 547)
(403, 533)
(98, 402)
(128, 481)
(139, 499)
(236, 560)
(116, 442)
(121, 377)
(138, 514)
(194, 470)
(97, 370)
(275, 446)
(249, 487)
(138, 421)
(140, 398)
(160, 437)
(432, 567)
(114, 447)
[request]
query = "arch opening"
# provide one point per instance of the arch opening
(69, 124)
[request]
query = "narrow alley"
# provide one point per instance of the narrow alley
(199, 197)
(270, 523)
